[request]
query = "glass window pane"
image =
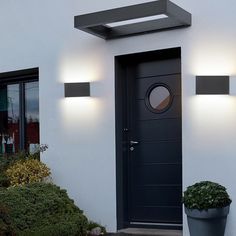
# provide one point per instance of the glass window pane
(32, 115)
(9, 118)
(159, 98)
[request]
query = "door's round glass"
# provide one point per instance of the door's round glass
(159, 98)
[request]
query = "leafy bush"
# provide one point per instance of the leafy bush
(6, 228)
(43, 209)
(4, 181)
(205, 195)
(27, 171)
(6, 160)
(92, 225)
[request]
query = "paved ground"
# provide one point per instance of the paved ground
(147, 232)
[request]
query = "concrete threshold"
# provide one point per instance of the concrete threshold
(147, 232)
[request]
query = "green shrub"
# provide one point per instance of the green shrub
(26, 172)
(42, 209)
(205, 195)
(92, 225)
(6, 228)
(7, 160)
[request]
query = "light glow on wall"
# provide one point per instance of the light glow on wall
(213, 59)
(73, 72)
(80, 113)
(81, 118)
(85, 64)
(213, 113)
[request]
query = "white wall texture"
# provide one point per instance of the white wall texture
(80, 132)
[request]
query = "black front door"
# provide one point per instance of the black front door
(152, 148)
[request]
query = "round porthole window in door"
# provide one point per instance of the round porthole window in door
(158, 98)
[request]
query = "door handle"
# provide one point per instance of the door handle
(132, 143)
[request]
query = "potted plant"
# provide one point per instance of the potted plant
(207, 206)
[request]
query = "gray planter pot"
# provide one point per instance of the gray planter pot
(209, 222)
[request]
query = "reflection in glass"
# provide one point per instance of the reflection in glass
(9, 118)
(32, 115)
(159, 98)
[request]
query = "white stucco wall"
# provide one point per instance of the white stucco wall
(80, 132)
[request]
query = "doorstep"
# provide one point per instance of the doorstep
(147, 232)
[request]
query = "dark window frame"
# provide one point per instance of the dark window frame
(147, 98)
(20, 77)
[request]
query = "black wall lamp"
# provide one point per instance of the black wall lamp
(120, 22)
(77, 89)
(212, 84)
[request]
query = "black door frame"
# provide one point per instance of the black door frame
(121, 62)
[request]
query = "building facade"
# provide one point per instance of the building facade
(81, 132)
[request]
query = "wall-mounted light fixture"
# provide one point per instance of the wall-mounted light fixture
(77, 89)
(132, 20)
(212, 84)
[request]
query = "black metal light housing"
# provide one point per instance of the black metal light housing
(212, 84)
(99, 23)
(77, 89)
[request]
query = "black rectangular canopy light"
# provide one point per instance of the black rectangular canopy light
(212, 84)
(132, 20)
